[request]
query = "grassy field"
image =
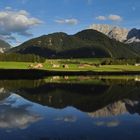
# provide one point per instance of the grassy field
(72, 65)
(14, 65)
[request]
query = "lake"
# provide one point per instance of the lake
(70, 108)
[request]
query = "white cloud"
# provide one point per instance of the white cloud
(115, 17)
(16, 22)
(111, 17)
(71, 21)
(101, 18)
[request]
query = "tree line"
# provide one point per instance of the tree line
(21, 57)
(121, 61)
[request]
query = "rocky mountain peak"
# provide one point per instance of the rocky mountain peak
(103, 28)
(133, 36)
(118, 33)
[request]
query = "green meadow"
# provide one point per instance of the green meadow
(72, 65)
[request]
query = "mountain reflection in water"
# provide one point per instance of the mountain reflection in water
(78, 108)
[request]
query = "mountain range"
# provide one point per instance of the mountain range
(84, 44)
(99, 41)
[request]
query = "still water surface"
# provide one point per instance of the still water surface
(70, 108)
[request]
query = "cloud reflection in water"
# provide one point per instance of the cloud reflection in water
(14, 115)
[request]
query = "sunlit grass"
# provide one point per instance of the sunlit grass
(72, 65)
(14, 65)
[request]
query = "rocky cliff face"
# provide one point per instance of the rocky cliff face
(103, 28)
(118, 33)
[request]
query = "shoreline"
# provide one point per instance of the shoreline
(39, 74)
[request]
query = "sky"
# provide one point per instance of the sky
(21, 20)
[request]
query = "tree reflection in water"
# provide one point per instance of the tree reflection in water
(70, 108)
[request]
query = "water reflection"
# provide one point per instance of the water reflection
(113, 123)
(118, 108)
(65, 108)
(14, 113)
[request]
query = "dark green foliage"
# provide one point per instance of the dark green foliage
(21, 58)
(135, 47)
(106, 62)
(85, 44)
(110, 61)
